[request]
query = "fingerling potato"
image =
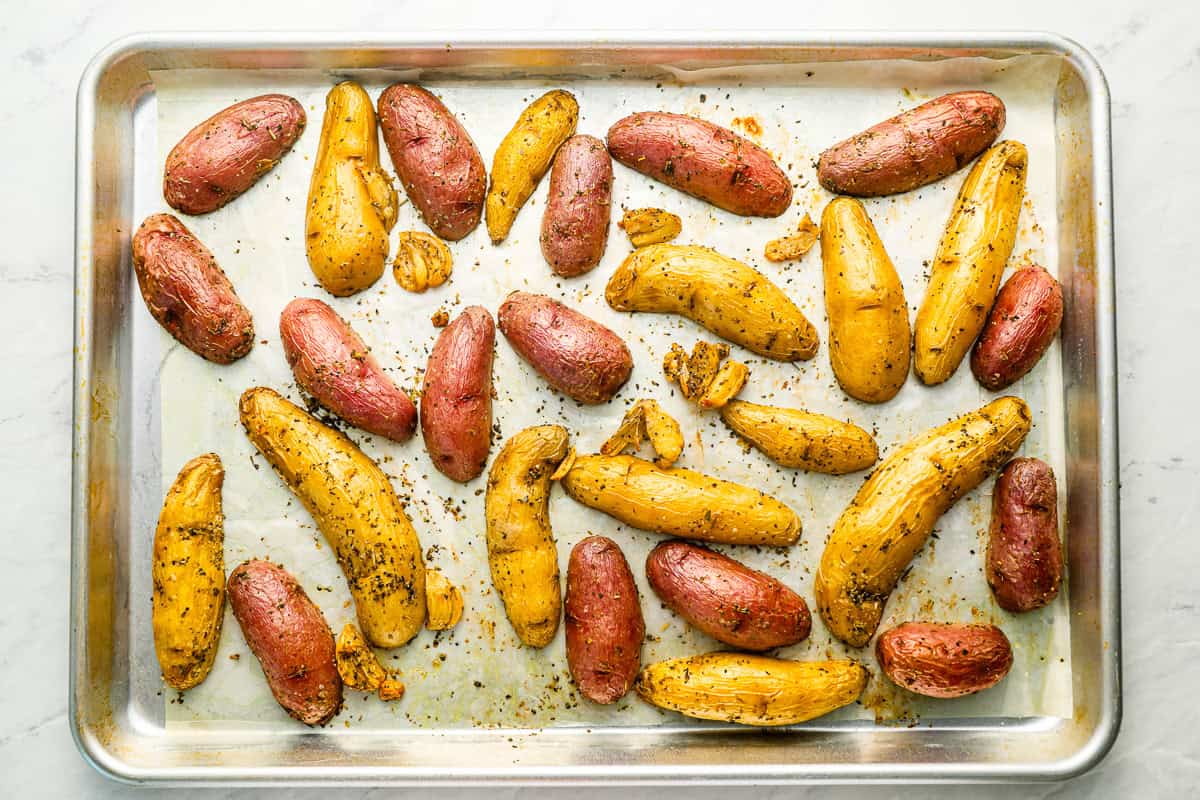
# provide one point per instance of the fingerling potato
(291, 640)
(801, 439)
(1024, 554)
(864, 300)
(603, 620)
(229, 152)
(893, 513)
(331, 363)
(188, 598)
(524, 155)
(187, 293)
(969, 262)
(702, 159)
(351, 203)
(456, 401)
(579, 208)
(354, 506)
(944, 659)
(742, 607)
(435, 158)
(724, 295)
(1023, 323)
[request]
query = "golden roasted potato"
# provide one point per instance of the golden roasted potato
(351, 202)
(864, 299)
(751, 689)
(524, 155)
(801, 439)
(356, 509)
(443, 602)
(646, 226)
(894, 512)
(188, 600)
(521, 550)
(680, 502)
(357, 663)
(645, 419)
(729, 298)
(969, 262)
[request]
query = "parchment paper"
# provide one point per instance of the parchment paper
(478, 674)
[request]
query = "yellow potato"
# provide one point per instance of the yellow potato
(864, 299)
(354, 506)
(970, 260)
(521, 550)
(729, 298)
(188, 600)
(751, 689)
(524, 155)
(801, 439)
(443, 602)
(351, 202)
(894, 512)
(680, 502)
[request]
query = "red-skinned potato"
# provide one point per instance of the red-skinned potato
(187, 293)
(920, 146)
(944, 659)
(1021, 325)
(575, 354)
(435, 159)
(605, 627)
(1024, 555)
(456, 401)
(730, 602)
(230, 151)
(289, 636)
(331, 363)
(702, 159)
(578, 209)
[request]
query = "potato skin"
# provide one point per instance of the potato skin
(1024, 554)
(524, 155)
(742, 607)
(1023, 323)
(604, 621)
(893, 513)
(229, 152)
(355, 508)
(912, 149)
(522, 555)
(751, 689)
(702, 159)
(351, 202)
(456, 401)
(579, 207)
(435, 159)
(575, 354)
(290, 638)
(724, 295)
(864, 299)
(188, 599)
(680, 502)
(187, 293)
(801, 439)
(331, 363)
(970, 259)
(944, 659)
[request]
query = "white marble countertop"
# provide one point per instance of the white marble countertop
(1150, 53)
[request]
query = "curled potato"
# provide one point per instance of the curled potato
(725, 296)
(422, 262)
(679, 502)
(1023, 323)
(443, 601)
(801, 439)
(524, 155)
(188, 598)
(645, 419)
(229, 152)
(354, 506)
(1024, 554)
(522, 554)
(944, 659)
(864, 299)
(646, 226)
(357, 663)
(751, 689)
(970, 259)
(351, 202)
(893, 513)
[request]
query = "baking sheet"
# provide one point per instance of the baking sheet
(478, 674)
